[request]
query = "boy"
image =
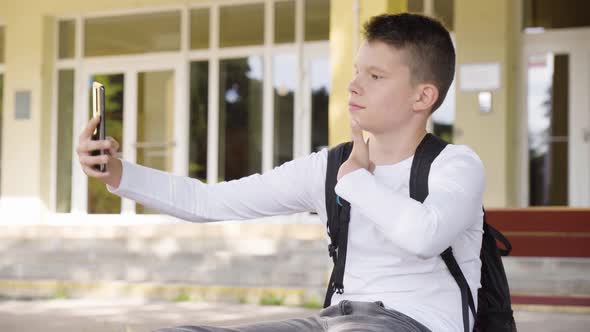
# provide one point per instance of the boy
(395, 279)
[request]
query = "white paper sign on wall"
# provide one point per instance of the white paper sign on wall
(479, 77)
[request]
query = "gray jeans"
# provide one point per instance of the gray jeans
(347, 316)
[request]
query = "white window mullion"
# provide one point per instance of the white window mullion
(79, 180)
(267, 92)
(213, 106)
(298, 133)
(129, 128)
(79, 188)
(181, 119)
(181, 101)
(578, 127)
(54, 137)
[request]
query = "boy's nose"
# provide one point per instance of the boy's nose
(354, 88)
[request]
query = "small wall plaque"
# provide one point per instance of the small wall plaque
(22, 105)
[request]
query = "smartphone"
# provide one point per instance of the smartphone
(98, 109)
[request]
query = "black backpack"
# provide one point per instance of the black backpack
(494, 313)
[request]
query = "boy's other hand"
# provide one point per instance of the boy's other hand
(359, 156)
(86, 145)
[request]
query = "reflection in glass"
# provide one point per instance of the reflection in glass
(67, 39)
(444, 117)
(320, 96)
(241, 25)
(285, 22)
(65, 123)
(548, 113)
(200, 28)
(132, 34)
(284, 80)
(99, 199)
(240, 117)
(199, 100)
(155, 123)
(317, 20)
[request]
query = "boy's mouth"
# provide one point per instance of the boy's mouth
(352, 107)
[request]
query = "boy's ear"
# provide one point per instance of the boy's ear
(426, 96)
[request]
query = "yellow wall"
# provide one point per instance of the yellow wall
(488, 31)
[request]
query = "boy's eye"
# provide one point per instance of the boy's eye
(375, 77)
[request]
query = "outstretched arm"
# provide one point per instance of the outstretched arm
(290, 188)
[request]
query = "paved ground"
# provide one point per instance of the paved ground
(137, 316)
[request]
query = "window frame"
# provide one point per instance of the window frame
(213, 55)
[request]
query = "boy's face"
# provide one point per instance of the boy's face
(381, 94)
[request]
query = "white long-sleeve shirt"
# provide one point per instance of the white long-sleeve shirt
(394, 241)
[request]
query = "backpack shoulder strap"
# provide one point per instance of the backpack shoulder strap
(430, 147)
(338, 212)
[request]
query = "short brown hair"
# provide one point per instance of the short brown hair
(430, 50)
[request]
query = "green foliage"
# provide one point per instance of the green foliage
(60, 293)
(312, 303)
(182, 297)
(272, 299)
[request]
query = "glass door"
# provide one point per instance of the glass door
(144, 113)
(557, 78)
(99, 200)
(316, 97)
(155, 141)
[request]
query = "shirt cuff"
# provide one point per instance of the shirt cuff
(350, 185)
(123, 183)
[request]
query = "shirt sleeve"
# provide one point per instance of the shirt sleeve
(290, 188)
(456, 184)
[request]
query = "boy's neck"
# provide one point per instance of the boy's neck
(392, 147)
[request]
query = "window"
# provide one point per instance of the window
(284, 22)
(132, 34)
(551, 14)
(67, 39)
(199, 117)
(236, 88)
(240, 117)
(199, 28)
(65, 122)
(1, 44)
(320, 96)
(241, 25)
(548, 117)
(99, 199)
(317, 20)
(284, 80)
(444, 10)
(155, 122)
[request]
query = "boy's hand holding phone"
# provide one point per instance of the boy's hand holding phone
(86, 145)
(96, 152)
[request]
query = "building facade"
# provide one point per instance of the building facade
(218, 90)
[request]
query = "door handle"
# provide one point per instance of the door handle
(154, 145)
